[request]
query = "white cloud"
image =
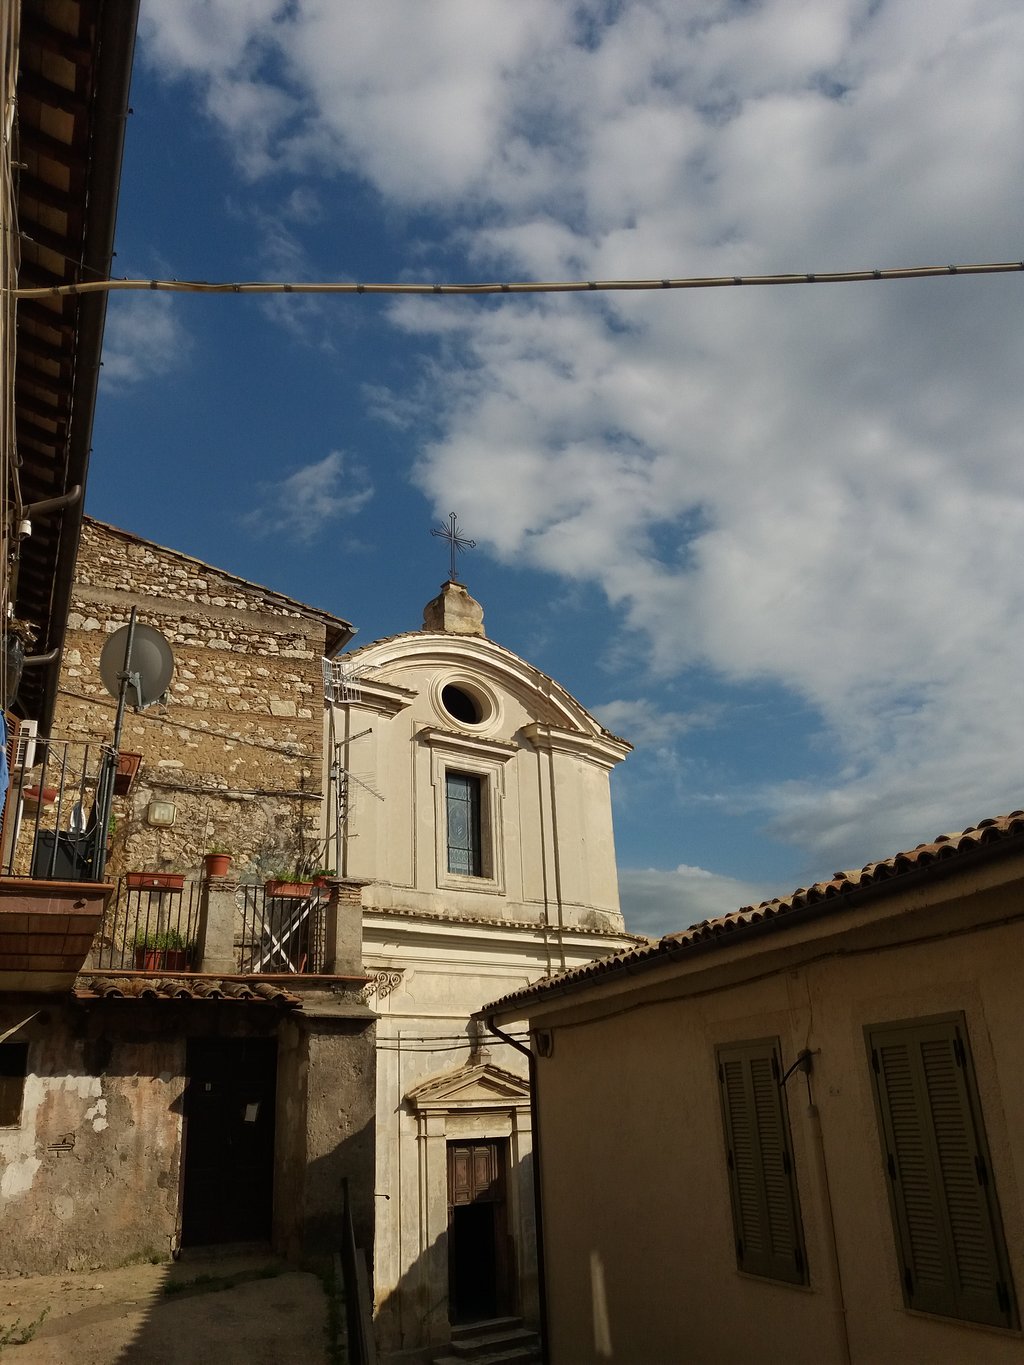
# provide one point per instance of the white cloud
(658, 902)
(643, 723)
(307, 501)
(817, 487)
(143, 338)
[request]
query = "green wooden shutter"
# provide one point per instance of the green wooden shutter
(765, 1211)
(948, 1231)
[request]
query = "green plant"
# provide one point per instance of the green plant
(297, 872)
(166, 938)
(218, 848)
(16, 1335)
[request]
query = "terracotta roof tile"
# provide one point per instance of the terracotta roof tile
(942, 849)
(134, 987)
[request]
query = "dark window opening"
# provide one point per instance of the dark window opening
(13, 1070)
(463, 797)
(460, 705)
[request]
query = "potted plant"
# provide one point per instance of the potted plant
(291, 883)
(323, 876)
(154, 881)
(217, 860)
(165, 951)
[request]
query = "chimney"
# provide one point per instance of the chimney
(454, 611)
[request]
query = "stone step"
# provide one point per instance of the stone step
(483, 1345)
(480, 1327)
(516, 1355)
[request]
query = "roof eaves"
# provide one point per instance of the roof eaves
(948, 852)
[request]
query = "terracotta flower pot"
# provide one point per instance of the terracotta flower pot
(283, 890)
(154, 881)
(217, 864)
(161, 959)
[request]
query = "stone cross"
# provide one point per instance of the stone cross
(456, 541)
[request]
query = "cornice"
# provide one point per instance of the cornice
(604, 750)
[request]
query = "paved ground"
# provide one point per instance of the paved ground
(238, 1310)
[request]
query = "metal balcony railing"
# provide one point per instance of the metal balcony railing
(150, 928)
(51, 827)
(282, 933)
(158, 928)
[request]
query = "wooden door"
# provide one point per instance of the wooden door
(478, 1253)
(229, 1141)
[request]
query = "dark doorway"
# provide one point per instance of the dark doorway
(229, 1140)
(477, 1230)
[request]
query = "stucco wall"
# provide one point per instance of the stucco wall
(548, 809)
(90, 1176)
(639, 1235)
(239, 746)
(325, 1125)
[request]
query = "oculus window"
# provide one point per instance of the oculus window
(942, 1197)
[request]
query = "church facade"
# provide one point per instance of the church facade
(475, 810)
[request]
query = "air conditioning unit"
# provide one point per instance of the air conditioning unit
(25, 744)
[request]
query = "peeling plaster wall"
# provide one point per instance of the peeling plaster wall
(90, 1177)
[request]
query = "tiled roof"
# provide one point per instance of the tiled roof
(880, 876)
(135, 987)
(492, 922)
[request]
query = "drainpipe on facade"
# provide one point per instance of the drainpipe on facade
(835, 1270)
(538, 1212)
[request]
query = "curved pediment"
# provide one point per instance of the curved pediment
(478, 1085)
(402, 661)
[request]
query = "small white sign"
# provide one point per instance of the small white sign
(251, 1110)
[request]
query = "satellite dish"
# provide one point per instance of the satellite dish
(150, 667)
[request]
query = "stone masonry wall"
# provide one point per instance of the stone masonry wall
(238, 747)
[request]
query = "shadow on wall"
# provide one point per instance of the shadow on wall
(418, 1312)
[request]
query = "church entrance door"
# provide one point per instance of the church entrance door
(478, 1269)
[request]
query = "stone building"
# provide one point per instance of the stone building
(235, 756)
(200, 1069)
(476, 813)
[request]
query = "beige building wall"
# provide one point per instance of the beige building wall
(439, 945)
(638, 1228)
(238, 747)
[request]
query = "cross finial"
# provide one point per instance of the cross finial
(456, 541)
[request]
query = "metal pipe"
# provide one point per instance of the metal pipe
(57, 504)
(538, 1210)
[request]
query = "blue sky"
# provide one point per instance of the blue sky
(772, 536)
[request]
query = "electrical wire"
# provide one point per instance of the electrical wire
(212, 733)
(519, 286)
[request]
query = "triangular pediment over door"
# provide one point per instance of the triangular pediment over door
(476, 1086)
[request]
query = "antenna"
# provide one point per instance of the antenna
(135, 659)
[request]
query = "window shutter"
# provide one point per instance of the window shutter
(765, 1212)
(948, 1230)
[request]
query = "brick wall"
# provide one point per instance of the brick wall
(238, 748)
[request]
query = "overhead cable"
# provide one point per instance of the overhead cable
(519, 286)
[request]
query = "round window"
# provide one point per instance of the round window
(460, 705)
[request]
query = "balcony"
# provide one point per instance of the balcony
(52, 896)
(61, 918)
(163, 925)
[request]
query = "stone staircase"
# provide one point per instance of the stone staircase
(497, 1341)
